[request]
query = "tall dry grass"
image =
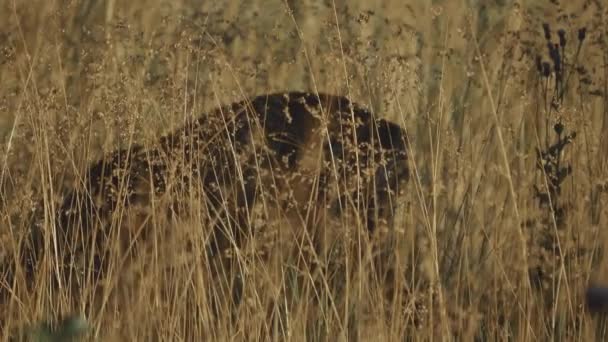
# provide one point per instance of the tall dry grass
(486, 246)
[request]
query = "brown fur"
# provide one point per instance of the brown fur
(305, 155)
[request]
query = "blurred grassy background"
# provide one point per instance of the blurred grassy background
(81, 78)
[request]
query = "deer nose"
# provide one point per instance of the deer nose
(597, 299)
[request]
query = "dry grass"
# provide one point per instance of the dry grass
(487, 245)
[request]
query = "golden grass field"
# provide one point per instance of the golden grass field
(487, 245)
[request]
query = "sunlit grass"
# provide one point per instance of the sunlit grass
(487, 244)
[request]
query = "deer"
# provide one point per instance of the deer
(312, 157)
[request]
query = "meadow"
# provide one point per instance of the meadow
(502, 225)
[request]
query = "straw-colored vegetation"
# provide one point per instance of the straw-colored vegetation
(500, 229)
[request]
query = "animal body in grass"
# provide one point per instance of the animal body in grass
(311, 157)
